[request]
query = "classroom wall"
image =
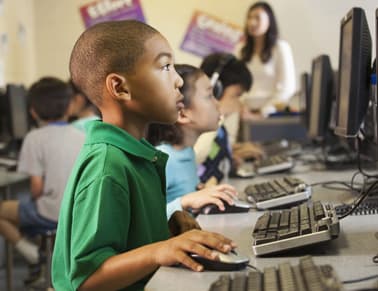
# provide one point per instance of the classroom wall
(17, 42)
(311, 27)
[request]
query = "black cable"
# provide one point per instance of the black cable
(326, 183)
(254, 268)
(360, 199)
(375, 259)
(359, 279)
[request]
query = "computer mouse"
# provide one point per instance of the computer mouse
(239, 206)
(231, 261)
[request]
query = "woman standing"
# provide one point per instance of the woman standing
(270, 61)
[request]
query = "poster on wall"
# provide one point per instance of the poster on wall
(208, 34)
(108, 10)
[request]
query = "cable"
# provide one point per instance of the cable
(360, 199)
(254, 268)
(375, 259)
(326, 183)
(359, 279)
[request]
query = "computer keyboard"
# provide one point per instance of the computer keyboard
(368, 206)
(304, 276)
(282, 147)
(273, 164)
(305, 224)
(8, 162)
(278, 192)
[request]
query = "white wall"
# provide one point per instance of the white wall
(310, 26)
(17, 56)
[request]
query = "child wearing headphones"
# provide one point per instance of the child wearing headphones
(230, 78)
(200, 114)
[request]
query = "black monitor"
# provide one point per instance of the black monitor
(354, 73)
(14, 113)
(321, 96)
(304, 97)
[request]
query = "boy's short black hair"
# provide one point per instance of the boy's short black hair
(235, 72)
(107, 47)
(50, 97)
(158, 133)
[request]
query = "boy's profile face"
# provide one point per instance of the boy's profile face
(154, 85)
(203, 110)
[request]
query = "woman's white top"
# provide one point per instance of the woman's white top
(273, 81)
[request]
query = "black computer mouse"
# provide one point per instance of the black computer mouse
(239, 206)
(231, 261)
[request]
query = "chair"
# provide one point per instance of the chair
(47, 240)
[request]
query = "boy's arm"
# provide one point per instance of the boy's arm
(180, 222)
(36, 186)
(123, 270)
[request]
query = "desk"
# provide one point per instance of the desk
(350, 254)
(7, 179)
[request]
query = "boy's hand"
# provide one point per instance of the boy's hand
(211, 195)
(182, 221)
(176, 250)
(247, 150)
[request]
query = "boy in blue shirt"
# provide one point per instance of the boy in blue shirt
(113, 232)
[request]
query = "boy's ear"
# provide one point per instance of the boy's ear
(34, 114)
(183, 117)
(117, 87)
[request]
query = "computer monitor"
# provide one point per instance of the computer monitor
(320, 97)
(354, 73)
(14, 113)
(304, 98)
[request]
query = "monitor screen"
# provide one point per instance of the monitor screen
(16, 111)
(320, 97)
(354, 73)
(304, 97)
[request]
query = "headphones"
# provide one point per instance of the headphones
(224, 60)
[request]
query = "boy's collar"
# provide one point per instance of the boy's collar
(99, 131)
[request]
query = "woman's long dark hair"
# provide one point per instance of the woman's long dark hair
(270, 36)
(158, 133)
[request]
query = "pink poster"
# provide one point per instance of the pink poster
(207, 34)
(107, 10)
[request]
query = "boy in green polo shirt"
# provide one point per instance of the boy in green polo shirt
(112, 231)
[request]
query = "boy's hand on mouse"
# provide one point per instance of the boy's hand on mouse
(182, 221)
(211, 195)
(176, 250)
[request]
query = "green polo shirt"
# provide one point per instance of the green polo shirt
(114, 202)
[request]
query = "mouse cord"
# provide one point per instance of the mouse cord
(254, 268)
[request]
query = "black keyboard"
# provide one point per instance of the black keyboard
(368, 206)
(281, 230)
(278, 192)
(305, 276)
(273, 164)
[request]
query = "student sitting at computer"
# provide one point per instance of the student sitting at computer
(235, 79)
(113, 231)
(47, 156)
(270, 61)
(199, 115)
